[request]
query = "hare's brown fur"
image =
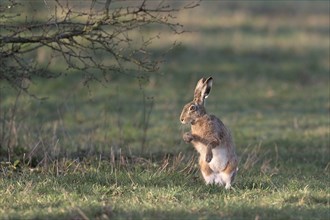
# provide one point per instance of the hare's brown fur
(210, 137)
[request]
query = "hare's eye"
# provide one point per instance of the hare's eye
(192, 108)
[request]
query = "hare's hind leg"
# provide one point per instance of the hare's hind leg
(227, 177)
(208, 174)
(228, 174)
(218, 179)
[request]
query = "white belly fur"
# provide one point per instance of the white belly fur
(219, 160)
(217, 165)
(201, 148)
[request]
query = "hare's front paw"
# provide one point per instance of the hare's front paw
(209, 157)
(188, 137)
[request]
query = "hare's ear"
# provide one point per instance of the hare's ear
(208, 86)
(202, 90)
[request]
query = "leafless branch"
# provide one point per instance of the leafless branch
(84, 38)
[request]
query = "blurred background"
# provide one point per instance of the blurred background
(269, 61)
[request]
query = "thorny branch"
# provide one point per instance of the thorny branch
(94, 40)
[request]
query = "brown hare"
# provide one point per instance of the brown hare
(213, 141)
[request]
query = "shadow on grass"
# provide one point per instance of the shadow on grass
(191, 213)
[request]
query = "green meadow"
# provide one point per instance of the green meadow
(114, 150)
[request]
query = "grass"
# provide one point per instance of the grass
(139, 190)
(83, 153)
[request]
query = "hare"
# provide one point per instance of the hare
(213, 141)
